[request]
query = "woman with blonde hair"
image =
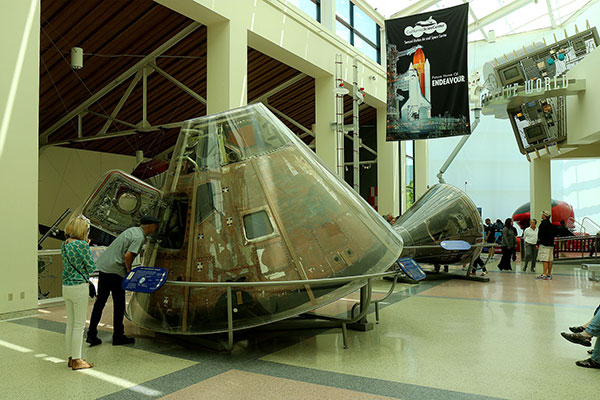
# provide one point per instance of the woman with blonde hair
(77, 267)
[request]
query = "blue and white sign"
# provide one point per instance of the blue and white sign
(145, 279)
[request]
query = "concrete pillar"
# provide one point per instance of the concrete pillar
(421, 168)
(539, 187)
(227, 66)
(324, 116)
(388, 168)
(19, 110)
(328, 15)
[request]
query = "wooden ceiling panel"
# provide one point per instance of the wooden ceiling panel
(115, 35)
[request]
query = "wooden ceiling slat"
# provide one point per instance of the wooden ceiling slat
(139, 27)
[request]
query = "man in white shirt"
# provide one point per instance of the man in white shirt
(530, 236)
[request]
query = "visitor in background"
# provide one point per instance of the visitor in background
(546, 235)
(563, 231)
(508, 243)
(530, 239)
(77, 267)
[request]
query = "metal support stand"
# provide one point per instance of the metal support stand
(362, 324)
(436, 276)
(308, 320)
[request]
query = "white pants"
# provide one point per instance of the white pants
(76, 300)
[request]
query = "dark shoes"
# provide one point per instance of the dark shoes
(119, 340)
(577, 329)
(577, 338)
(93, 340)
(589, 363)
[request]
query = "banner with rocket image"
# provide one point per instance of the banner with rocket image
(428, 91)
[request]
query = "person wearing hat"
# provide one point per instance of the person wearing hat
(114, 264)
(546, 233)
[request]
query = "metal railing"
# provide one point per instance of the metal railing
(366, 291)
(588, 245)
(594, 225)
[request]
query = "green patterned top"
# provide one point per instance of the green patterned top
(79, 254)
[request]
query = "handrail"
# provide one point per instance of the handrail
(595, 225)
(313, 282)
(575, 238)
(575, 222)
(316, 282)
(575, 244)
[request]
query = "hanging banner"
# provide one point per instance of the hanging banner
(428, 91)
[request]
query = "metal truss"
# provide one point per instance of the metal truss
(139, 71)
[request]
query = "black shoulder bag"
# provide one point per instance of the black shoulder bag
(91, 287)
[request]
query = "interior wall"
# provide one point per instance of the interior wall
(67, 177)
(282, 31)
(19, 99)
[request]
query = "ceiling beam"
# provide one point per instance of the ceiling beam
(551, 14)
(475, 19)
(279, 88)
(129, 132)
(120, 79)
(179, 85)
(112, 119)
(121, 102)
(290, 120)
(500, 13)
(415, 8)
(579, 12)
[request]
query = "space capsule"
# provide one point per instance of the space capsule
(443, 213)
(244, 200)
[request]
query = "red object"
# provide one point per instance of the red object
(148, 169)
(372, 200)
(419, 65)
(561, 211)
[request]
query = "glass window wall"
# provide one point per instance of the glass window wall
(357, 28)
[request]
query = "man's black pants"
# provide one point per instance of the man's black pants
(107, 284)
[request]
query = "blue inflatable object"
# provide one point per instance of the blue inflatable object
(561, 56)
(411, 268)
(145, 279)
(550, 61)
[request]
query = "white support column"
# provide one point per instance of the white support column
(421, 168)
(402, 167)
(19, 110)
(328, 15)
(324, 115)
(227, 66)
(539, 187)
(388, 163)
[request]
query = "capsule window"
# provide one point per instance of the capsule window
(257, 225)
(204, 202)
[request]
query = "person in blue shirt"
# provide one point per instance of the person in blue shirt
(114, 264)
(77, 267)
